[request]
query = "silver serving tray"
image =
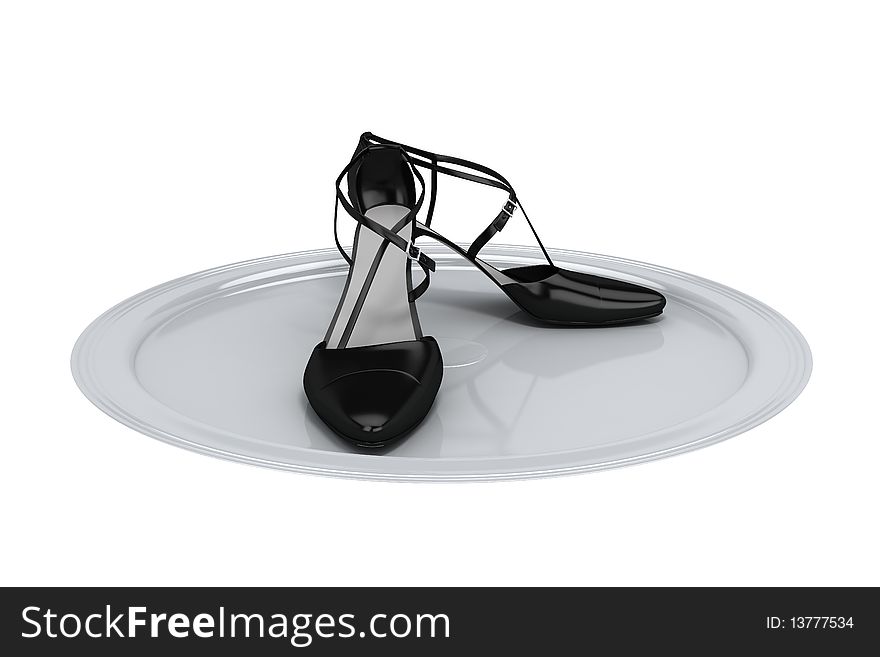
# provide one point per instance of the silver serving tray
(213, 362)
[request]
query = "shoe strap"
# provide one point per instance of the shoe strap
(412, 252)
(489, 177)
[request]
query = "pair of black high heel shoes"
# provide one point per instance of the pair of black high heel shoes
(375, 376)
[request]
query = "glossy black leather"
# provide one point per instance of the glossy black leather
(548, 293)
(376, 394)
(382, 178)
(561, 296)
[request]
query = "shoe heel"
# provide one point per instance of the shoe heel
(382, 178)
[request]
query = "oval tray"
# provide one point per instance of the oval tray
(213, 362)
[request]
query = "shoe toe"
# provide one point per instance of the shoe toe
(374, 395)
(624, 301)
(576, 298)
(374, 407)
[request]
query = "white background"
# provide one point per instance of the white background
(142, 141)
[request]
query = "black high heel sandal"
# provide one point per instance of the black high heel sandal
(375, 376)
(548, 293)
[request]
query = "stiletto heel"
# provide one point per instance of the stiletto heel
(547, 292)
(375, 376)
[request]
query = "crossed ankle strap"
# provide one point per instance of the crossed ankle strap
(407, 246)
(489, 177)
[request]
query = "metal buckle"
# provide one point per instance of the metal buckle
(505, 214)
(413, 252)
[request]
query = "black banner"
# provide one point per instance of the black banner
(429, 621)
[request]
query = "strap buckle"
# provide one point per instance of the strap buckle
(505, 214)
(413, 252)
